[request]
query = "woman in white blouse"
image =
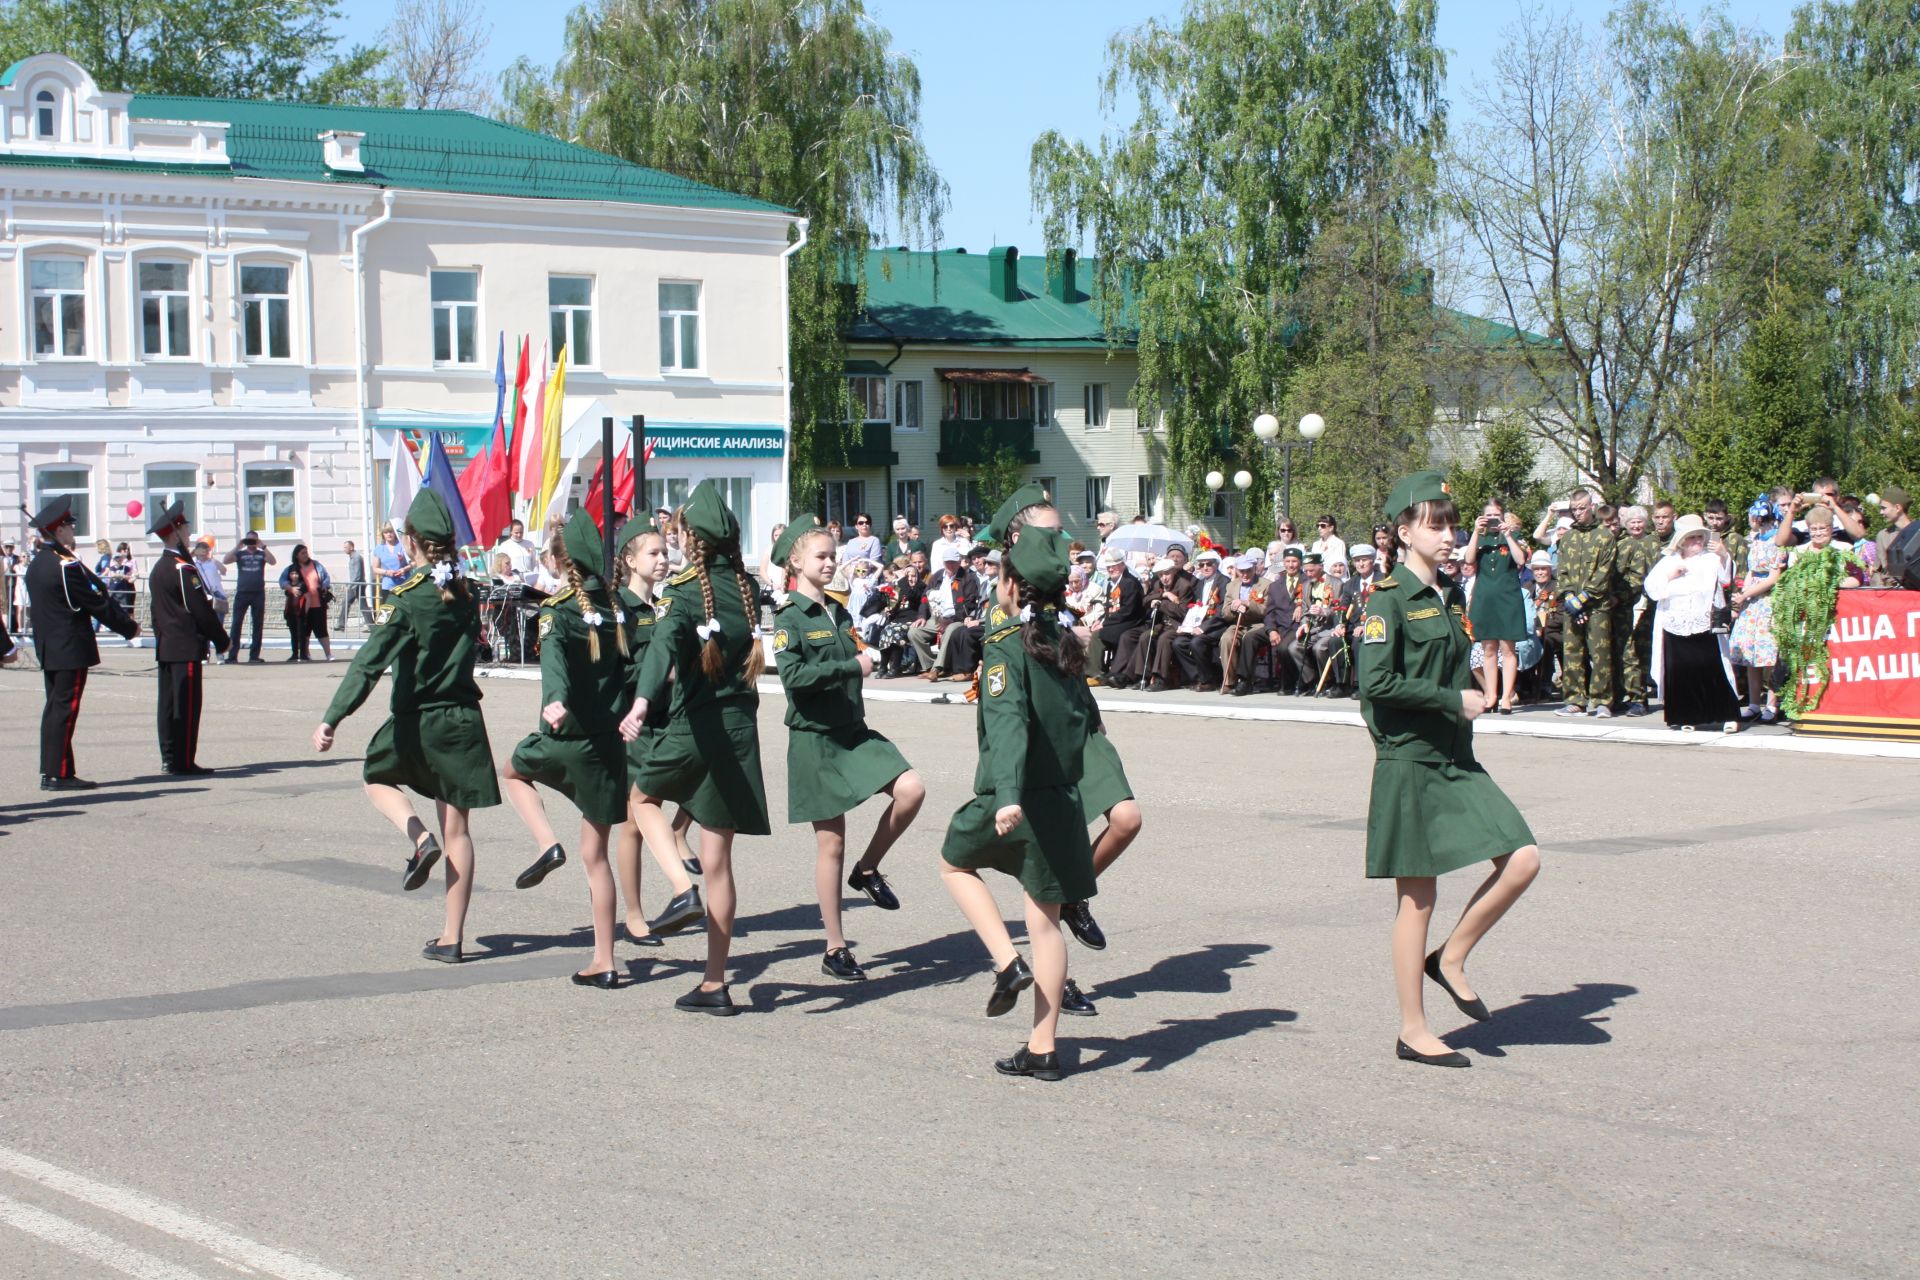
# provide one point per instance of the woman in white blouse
(1690, 664)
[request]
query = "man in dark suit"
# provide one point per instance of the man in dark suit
(65, 598)
(185, 622)
(1167, 601)
(1198, 651)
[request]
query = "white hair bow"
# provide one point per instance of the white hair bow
(592, 618)
(445, 571)
(620, 615)
(708, 629)
(779, 599)
(1026, 613)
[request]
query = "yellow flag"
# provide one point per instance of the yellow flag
(550, 429)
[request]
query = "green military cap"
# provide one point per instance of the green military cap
(1312, 557)
(796, 529)
(632, 529)
(429, 517)
(1031, 494)
(1039, 559)
(1421, 486)
(582, 542)
(707, 516)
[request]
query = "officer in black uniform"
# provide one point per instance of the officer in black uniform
(184, 624)
(65, 597)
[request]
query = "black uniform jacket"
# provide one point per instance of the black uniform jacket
(184, 619)
(65, 597)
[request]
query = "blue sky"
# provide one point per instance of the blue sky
(995, 73)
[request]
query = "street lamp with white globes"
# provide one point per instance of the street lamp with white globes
(1266, 428)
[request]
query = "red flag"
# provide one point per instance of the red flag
(485, 486)
(527, 473)
(518, 441)
(622, 487)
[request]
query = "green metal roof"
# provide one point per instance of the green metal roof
(411, 150)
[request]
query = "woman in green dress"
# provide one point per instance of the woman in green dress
(577, 749)
(835, 762)
(427, 632)
(707, 759)
(1433, 807)
(1024, 819)
(1497, 615)
(643, 557)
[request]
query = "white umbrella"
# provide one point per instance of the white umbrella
(1154, 539)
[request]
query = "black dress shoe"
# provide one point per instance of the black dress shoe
(1242, 689)
(605, 981)
(50, 783)
(1025, 1062)
(1475, 1008)
(718, 1003)
(685, 909)
(1074, 1001)
(1079, 921)
(555, 856)
(448, 953)
(839, 963)
(420, 864)
(1454, 1059)
(875, 886)
(190, 771)
(1008, 983)
(692, 865)
(1156, 686)
(641, 939)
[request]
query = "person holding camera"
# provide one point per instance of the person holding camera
(249, 592)
(1496, 609)
(1586, 576)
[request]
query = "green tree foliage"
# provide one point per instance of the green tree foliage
(1502, 469)
(1253, 123)
(801, 104)
(998, 478)
(199, 48)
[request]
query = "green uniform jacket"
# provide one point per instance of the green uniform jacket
(430, 645)
(1414, 660)
(819, 664)
(596, 694)
(641, 628)
(1737, 548)
(1632, 558)
(1585, 563)
(676, 646)
(1033, 722)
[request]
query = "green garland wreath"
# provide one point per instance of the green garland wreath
(1803, 606)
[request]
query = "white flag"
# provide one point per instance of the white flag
(405, 482)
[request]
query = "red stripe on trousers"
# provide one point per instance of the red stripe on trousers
(67, 768)
(193, 714)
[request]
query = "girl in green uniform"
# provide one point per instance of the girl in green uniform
(577, 749)
(1433, 807)
(707, 758)
(435, 742)
(834, 761)
(1024, 818)
(1497, 614)
(1104, 789)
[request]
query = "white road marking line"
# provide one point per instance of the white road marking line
(160, 1216)
(90, 1244)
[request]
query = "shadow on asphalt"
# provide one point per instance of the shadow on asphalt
(87, 799)
(1208, 971)
(1174, 1040)
(1565, 1017)
(260, 767)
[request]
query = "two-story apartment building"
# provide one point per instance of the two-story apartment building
(243, 304)
(961, 355)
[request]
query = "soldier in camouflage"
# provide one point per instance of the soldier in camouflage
(1637, 552)
(1585, 581)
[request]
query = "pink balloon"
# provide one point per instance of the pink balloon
(133, 508)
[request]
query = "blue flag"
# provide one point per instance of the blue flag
(500, 381)
(439, 478)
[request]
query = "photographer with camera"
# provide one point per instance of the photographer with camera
(249, 591)
(1586, 579)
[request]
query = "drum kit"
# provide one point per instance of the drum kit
(508, 631)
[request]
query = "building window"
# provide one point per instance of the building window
(1096, 405)
(680, 326)
(1048, 483)
(969, 401)
(1043, 404)
(867, 398)
(166, 332)
(909, 496)
(1150, 487)
(46, 114)
(570, 316)
(1098, 488)
(70, 483)
(456, 316)
(668, 493)
(968, 500)
(59, 307)
(906, 406)
(270, 500)
(266, 313)
(737, 493)
(174, 484)
(844, 500)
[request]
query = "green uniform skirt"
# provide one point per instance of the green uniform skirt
(1047, 853)
(832, 772)
(438, 752)
(710, 766)
(642, 748)
(591, 772)
(1429, 819)
(1103, 782)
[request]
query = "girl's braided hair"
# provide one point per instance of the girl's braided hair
(556, 547)
(702, 554)
(1064, 652)
(440, 552)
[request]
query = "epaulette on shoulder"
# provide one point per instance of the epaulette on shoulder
(1384, 583)
(410, 584)
(684, 576)
(557, 597)
(1003, 633)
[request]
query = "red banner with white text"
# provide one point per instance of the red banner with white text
(1873, 687)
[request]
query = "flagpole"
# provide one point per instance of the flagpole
(639, 447)
(606, 494)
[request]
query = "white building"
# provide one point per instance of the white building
(241, 304)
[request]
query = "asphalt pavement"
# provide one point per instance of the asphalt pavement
(220, 1053)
